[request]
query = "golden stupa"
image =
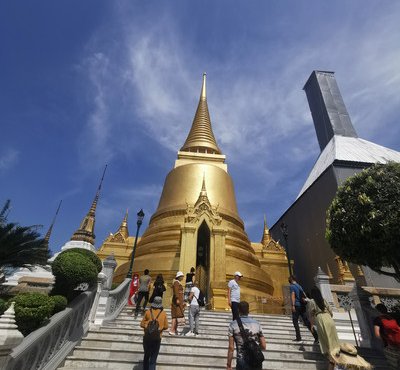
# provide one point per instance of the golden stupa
(197, 224)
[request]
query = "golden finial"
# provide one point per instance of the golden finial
(123, 229)
(203, 94)
(265, 237)
(201, 137)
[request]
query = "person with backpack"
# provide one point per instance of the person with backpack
(250, 341)
(190, 279)
(154, 323)
(298, 301)
(196, 300)
(387, 329)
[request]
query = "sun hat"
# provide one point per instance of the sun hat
(346, 356)
(179, 274)
(157, 302)
(238, 273)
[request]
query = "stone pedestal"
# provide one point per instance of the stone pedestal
(322, 282)
(365, 313)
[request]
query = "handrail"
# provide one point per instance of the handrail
(47, 347)
(117, 300)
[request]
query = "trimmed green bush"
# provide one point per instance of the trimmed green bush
(32, 310)
(60, 302)
(3, 306)
(70, 270)
(89, 254)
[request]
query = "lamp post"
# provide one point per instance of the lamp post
(140, 216)
(285, 233)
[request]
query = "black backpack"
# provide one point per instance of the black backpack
(201, 300)
(252, 353)
(152, 331)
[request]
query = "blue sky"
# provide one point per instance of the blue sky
(85, 83)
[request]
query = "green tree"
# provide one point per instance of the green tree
(20, 245)
(363, 220)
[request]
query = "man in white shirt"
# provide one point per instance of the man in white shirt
(234, 294)
(194, 311)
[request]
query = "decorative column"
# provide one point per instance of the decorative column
(10, 337)
(218, 283)
(109, 265)
(322, 282)
(187, 257)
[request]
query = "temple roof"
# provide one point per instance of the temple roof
(349, 149)
(201, 137)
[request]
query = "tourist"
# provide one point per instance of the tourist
(194, 311)
(387, 329)
(190, 278)
(177, 305)
(234, 294)
(298, 305)
(253, 330)
(321, 316)
(143, 291)
(152, 341)
(158, 288)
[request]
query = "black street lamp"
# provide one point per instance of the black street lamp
(284, 230)
(140, 216)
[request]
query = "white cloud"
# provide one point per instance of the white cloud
(8, 158)
(259, 112)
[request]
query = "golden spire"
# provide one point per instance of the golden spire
(201, 137)
(85, 232)
(123, 229)
(48, 234)
(266, 236)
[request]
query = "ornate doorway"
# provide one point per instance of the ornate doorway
(203, 259)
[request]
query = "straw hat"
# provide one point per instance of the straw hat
(157, 302)
(346, 355)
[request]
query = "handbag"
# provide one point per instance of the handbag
(181, 320)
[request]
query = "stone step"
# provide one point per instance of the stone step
(212, 332)
(194, 364)
(192, 343)
(172, 351)
(223, 330)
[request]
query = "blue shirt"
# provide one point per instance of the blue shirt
(297, 289)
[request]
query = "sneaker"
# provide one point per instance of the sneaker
(297, 340)
(190, 334)
(171, 333)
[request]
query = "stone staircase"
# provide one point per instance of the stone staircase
(118, 345)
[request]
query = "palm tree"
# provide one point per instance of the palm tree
(20, 245)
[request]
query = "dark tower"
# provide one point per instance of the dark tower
(327, 107)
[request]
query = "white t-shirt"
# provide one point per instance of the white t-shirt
(235, 290)
(196, 293)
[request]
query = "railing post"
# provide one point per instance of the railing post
(364, 312)
(10, 336)
(109, 265)
(322, 282)
(101, 278)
